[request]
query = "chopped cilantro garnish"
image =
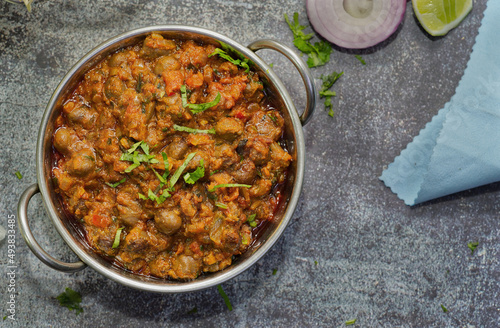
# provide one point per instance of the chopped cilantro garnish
(190, 130)
(251, 220)
(328, 81)
(472, 246)
(158, 199)
(319, 53)
(192, 177)
(224, 206)
(141, 196)
(274, 271)
(237, 62)
(227, 185)
(315, 262)
(18, 175)
(116, 242)
(358, 57)
(71, 299)
(197, 108)
(350, 322)
(133, 155)
(224, 296)
(179, 171)
(114, 185)
(444, 309)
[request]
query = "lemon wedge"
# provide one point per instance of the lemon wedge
(438, 17)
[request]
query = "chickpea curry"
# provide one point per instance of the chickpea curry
(170, 155)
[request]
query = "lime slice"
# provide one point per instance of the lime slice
(439, 16)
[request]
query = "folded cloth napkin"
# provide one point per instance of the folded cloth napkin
(460, 148)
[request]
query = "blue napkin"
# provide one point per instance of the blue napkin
(460, 148)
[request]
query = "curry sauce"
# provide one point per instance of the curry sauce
(169, 154)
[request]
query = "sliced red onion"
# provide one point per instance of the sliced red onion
(355, 24)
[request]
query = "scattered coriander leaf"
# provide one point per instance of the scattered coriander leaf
(71, 299)
(18, 175)
(274, 271)
(89, 157)
(194, 176)
(350, 322)
(315, 262)
(444, 309)
(193, 310)
(237, 62)
(224, 296)
(141, 196)
(197, 108)
(179, 170)
(472, 246)
(358, 57)
(4, 317)
(319, 53)
(228, 185)
(190, 130)
(116, 242)
(328, 81)
(116, 184)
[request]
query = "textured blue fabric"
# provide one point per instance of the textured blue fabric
(460, 148)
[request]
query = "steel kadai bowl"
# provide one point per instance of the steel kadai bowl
(71, 234)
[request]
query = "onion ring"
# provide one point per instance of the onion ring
(355, 24)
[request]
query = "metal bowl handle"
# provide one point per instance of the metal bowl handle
(304, 71)
(22, 216)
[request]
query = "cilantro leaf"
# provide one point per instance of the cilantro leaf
(358, 57)
(192, 177)
(116, 242)
(224, 296)
(197, 108)
(251, 220)
(179, 171)
(190, 130)
(444, 309)
(18, 175)
(116, 184)
(71, 299)
(227, 185)
(237, 62)
(472, 246)
(319, 53)
(350, 322)
(328, 82)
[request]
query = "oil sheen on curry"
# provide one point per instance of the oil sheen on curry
(169, 155)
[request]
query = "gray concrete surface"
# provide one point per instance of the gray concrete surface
(379, 261)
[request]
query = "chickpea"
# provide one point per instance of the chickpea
(166, 63)
(168, 221)
(81, 163)
(186, 267)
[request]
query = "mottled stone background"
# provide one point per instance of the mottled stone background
(379, 261)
